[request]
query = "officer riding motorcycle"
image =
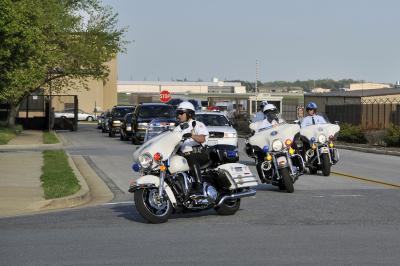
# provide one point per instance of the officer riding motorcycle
(317, 136)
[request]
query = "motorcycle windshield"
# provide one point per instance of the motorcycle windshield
(158, 126)
(164, 143)
(281, 132)
(314, 131)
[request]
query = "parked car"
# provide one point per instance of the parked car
(125, 131)
(69, 113)
(145, 113)
(117, 115)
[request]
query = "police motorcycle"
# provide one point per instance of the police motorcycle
(276, 160)
(320, 153)
(164, 184)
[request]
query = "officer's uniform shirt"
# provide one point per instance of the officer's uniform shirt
(312, 120)
(199, 129)
(259, 116)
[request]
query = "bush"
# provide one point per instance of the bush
(392, 136)
(351, 133)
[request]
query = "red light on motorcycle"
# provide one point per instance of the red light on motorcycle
(288, 142)
(157, 156)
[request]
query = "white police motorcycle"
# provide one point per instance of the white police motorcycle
(318, 149)
(276, 161)
(164, 183)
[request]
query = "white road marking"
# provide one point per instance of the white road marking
(355, 195)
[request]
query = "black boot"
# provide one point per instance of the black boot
(197, 187)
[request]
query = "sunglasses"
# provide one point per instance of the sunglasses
(180, 112)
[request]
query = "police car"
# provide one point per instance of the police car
(220, 129)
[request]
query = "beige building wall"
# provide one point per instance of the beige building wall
(394, 98)
(368, 86)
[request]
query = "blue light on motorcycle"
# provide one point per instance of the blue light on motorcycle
(312, 139)
(231, 154)
(266, 149)
(136, 167)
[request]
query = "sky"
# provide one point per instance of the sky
(290, 39)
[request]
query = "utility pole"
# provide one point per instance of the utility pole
(256, 85)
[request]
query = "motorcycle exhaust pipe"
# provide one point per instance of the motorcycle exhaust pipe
(248, 193)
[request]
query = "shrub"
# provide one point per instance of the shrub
(351, 133)
(392, 136)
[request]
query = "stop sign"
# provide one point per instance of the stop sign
(165, 96)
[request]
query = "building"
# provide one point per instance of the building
(320, 90)
(368, 86)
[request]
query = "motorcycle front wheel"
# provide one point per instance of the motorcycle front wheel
(151, 207)
(286, 180)
(326, 164)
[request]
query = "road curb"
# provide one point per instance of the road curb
(81, 197)
(368, 150)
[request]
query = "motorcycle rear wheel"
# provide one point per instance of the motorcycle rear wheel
(149, 208)
(287, 180)
(326, 164)
(228, 207)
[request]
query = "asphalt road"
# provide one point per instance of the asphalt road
(326, 221)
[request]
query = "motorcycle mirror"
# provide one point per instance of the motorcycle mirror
(337, 122)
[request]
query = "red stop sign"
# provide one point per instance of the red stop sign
(165, 96)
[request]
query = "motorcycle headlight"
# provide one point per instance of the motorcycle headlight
(145, 160)
(277, 145)
(321, 138)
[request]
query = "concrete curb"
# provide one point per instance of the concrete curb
(54, 146)
(368, 150)
(79, 198)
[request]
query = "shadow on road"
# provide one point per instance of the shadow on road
(130, 213)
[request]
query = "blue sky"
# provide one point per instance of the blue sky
(291, 39)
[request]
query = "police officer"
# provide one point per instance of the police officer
(259, 116)
(271, 118)
(312, 118)
(193, 148)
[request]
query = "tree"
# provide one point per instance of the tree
(65, 42)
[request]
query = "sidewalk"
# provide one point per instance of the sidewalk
(21, 192)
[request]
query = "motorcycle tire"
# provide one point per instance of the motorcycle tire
(140, 197)
(287, 180)
(228, 207)
(326, 164)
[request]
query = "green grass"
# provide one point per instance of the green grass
(7, 134)
(49, 138)
(58, 179)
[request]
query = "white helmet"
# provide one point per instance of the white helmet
(185, 106)
(269, 107)
(263, 103)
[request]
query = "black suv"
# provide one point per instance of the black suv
(117, 115)
(145, 113)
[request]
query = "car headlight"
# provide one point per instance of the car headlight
(230, 135)
(142, 125)
(321, 138)
(145, 160)
(277, 145)
(128, 128)
(116, 122)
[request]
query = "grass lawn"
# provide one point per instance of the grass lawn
(58, 179)
(49, 138)
(7, 134)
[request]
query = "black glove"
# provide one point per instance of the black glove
(187, 136)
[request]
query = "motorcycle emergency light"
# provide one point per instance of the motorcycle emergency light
(163, 168)
(136, 167)
(231, 154)
(157, 156)
(331, 145)
(288, 142)
(291, 151)
(266, 149)
(268, 157)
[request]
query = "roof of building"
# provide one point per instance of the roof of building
(180, 83)
(358, 93)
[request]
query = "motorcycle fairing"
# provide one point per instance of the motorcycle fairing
(316, 130)
(281, 132)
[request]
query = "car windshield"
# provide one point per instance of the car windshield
(213, 120)
(150, 111)
(122, 111)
